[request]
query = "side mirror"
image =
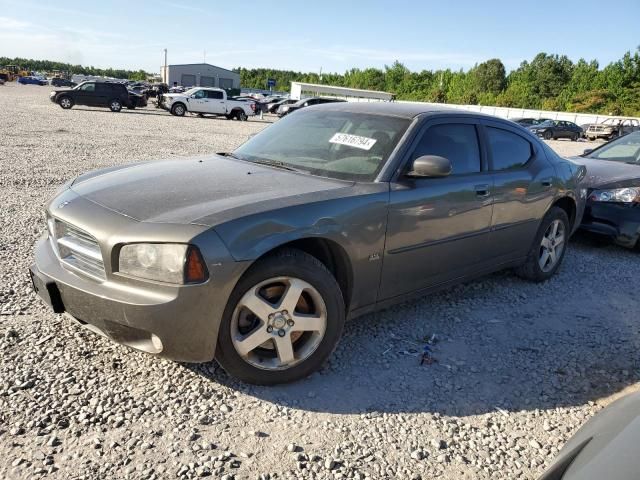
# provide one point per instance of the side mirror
(430, 166)
(587, 151)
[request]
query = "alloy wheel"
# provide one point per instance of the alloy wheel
(278, 323)
(552, 246)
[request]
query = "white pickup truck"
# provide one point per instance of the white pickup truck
(206, 101)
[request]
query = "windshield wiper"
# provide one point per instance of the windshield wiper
(277, 164)
(229, 154)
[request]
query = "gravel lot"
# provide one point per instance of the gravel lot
(520, 366)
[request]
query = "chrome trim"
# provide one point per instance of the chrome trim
(77, 250)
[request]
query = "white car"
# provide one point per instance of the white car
(206, 101)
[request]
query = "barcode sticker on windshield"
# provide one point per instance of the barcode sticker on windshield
(356, 141)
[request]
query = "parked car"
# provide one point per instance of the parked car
(139, 89)
(136, 100)
(276, 105)
(62, 82)
(554, 129)
(612, 127)
(259, 255)
(613, 190)
(93, 94)
(528, 122)
(31, 81)
(206, 101)
(606, 447)
(286, 109)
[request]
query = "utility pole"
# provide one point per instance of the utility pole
(164, 72)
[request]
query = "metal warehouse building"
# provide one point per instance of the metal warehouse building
(201, 75)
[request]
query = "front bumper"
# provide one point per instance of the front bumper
(618, 221)
(179, 322)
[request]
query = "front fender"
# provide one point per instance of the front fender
(356, 223)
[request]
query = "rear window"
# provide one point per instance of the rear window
(508, 150)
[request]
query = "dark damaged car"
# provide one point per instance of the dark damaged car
(258, 256)
(613, 190)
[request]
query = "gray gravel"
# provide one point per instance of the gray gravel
(520, 366)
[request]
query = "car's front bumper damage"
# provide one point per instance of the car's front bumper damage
(620, 222)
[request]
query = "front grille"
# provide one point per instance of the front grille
(78, 250)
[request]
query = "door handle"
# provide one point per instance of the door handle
(546, 182)
(482, 190)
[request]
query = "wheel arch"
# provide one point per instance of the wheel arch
(328, 252)
(568, 204)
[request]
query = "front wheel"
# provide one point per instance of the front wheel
(575, 137)
(178, 109)
(549, 247)
(66, 103)
(115, 105)
(548, 135)
(283, 320)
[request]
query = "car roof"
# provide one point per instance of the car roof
(406, 110)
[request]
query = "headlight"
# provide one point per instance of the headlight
(163, 262)
(620, 195)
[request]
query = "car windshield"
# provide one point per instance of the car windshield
(342, 145)
(191, 91)
(547, 123)
(624, 149)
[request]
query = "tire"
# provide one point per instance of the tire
(178, 110)
(262, 363)
(533, 268)
(65, 102)
(575, 137)
(547, 135)
(241, 116)
(115, 105)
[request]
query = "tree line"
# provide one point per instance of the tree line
(548, 82)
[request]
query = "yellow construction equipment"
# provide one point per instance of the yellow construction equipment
(9, 73)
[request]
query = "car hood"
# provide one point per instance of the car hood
(605, 447)
(601, 173)
(204, 191)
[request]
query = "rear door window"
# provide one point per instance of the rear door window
(509, 151)
(456, 141)
(214, 95)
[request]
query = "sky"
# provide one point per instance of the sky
(308, 36)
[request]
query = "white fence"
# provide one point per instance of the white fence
(506, 112)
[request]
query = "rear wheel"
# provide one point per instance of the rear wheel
(240, 115)
(66, 102)
(115, 105)
(282, 321)
(549, 247)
